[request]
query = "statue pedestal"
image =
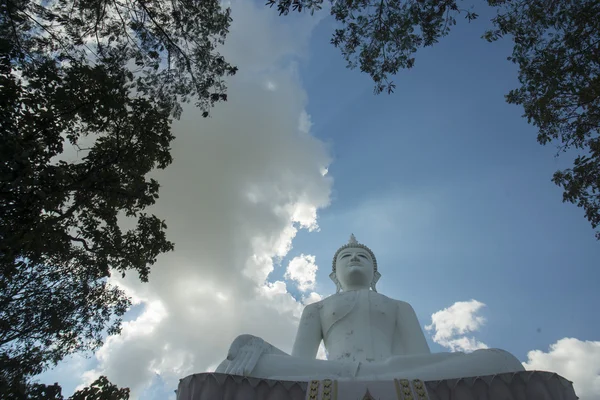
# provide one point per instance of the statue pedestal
(524, 385)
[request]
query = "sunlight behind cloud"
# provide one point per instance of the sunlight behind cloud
(242, 184)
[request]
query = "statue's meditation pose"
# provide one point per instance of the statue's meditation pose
(367, 336)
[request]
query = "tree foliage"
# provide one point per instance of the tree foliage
(556, 46)
(100, 389)
(105, 77)
(557, 49)
(381, 36)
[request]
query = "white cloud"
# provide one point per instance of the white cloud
(313, 297)
(321, 353)
(574, 359)
(271, 85)
(305, 122)
(451, 324)
(242, 183)
(303, 270)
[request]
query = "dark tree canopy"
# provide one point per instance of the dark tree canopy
(100, 389)
(557, 49)
(112, 74)
(556, 46)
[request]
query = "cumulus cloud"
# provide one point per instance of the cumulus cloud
(450, 326)
(574, 359)
(242, 184)
(312, 297)
(302, 270)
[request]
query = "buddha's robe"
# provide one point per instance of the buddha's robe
(369, 336)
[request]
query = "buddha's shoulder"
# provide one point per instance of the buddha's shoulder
(330, 300)
(398, 303)
(317, 305)
(336, 298)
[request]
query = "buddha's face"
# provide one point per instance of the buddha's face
(354, 268)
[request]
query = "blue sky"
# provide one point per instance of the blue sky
(458, 190)
(443, 180)
(446, 183)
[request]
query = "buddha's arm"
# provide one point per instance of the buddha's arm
(309, 335)
(408, 335)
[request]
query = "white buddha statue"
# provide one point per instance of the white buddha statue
(367, 336)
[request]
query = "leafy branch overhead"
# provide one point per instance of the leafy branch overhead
(380, 37)
(556, 46)
(100, 389)
(88, 91)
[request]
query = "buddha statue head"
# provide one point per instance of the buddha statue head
(354, 267)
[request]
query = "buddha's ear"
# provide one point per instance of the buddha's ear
(376, 277)
(338, 286)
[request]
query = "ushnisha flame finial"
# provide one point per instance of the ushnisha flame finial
(352, 239)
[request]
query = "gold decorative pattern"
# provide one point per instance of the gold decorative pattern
(419, 387)
(407, 390)
(322, 390)
(314, 390)
(327, 389)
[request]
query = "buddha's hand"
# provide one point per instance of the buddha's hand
(244, 353)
